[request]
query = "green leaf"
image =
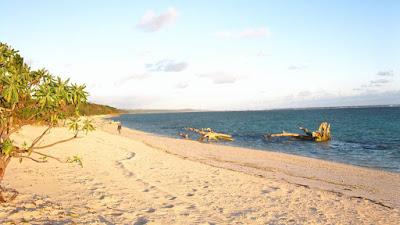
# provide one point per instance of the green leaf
(75, 159)
(87, 126)
(7, 147)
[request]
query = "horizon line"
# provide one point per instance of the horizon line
(266, 109)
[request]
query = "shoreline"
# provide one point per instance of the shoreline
(258, 149)
(141, 178)
(361, 182)
(378, 167)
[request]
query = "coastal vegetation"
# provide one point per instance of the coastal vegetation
(90, 109)
(37, 97)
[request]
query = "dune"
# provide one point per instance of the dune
(140, 178)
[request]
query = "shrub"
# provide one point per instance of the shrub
(34, 96)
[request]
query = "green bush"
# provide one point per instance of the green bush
(35, 96)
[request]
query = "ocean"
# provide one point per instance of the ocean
(368, 137)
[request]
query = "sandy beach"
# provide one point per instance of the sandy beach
(140, 178)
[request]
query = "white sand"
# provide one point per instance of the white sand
(138, 178)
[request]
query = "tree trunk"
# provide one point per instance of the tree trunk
(3, 166)
(2, 171)
(293, 135)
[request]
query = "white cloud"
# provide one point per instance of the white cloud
(225, 80)
(219, 77)
(386, 73)
(248, 33)
(151, 22)
(136, 101)
(370, 97)
(303, 94)
(181, 85)
(376, 83)
(296, 67)
(224, 34)
(166, 65)
(124, 80)
(373, 85)
(260, 32)
(261, 54)
(379, 82)
(144, 53)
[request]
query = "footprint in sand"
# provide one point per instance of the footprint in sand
(313, 210)
(149, 210)
(141, 221)
(184, 213)
(191, 207)
(167, 206)
(169, 197)
(269, 190)
(128, 174)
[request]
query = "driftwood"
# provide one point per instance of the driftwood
(210, 135)
(184, 135)
(322, 134)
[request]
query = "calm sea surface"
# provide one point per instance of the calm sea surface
(368, 137)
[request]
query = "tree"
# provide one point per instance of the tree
(35, 96)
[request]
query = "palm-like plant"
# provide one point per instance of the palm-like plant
(78, 94)
(87, 126)
(73, 125)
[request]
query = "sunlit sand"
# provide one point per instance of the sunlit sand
(141, 178)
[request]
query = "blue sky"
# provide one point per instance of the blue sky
(214, 54)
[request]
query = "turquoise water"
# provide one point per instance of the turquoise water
(368, 137)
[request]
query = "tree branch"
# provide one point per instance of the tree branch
(39, 138)
(49, 156)
(18, 154)
(55, 143)
(27, 157)
(4, 109)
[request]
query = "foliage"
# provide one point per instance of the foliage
(35, 96)
(7, 147)
(88, 109)
(87, 126)
(75, 159)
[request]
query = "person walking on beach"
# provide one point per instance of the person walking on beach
(119, 127)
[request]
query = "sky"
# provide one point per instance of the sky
(214, 55)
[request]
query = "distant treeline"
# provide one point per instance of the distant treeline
(88, 109)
